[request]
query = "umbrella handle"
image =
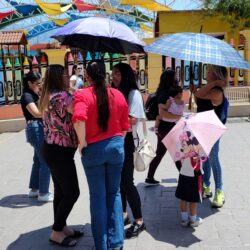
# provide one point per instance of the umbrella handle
(190, 101)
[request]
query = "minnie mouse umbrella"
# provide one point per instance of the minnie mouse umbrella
(194, 135)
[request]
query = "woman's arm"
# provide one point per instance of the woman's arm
(32, 108)
(202, 92)
(132, 120)
(215, 96)
(72, 83)
(81, 134)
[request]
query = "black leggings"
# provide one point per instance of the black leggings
(66, 190)
(128, 190)
(161, 150)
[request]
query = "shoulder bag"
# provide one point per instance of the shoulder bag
(144, 152)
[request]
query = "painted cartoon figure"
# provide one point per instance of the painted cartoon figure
(190, 147)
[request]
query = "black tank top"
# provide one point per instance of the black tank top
(205, 105)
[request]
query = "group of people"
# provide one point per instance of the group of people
(95, 119)
(105, 119)
(195, 173)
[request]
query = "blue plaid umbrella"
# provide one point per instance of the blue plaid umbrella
(198, 47)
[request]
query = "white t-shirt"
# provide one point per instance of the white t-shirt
(135, 104)
(79, 81)
(136, 107)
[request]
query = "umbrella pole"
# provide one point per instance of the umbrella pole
(191, 86)
(190, 101)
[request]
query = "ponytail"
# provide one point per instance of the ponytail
(96, 71)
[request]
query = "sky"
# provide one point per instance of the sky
(174, 4)
(181, 4)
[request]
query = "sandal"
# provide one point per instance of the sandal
(77, 234)
(67, 242)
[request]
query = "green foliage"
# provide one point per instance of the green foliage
(235, 12)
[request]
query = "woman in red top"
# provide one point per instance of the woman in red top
(100, 118)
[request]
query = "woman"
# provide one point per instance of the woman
(167, 80)
(124, 79)
(76, 81)
(101, 119)
(209, 97)
(40, 174)
(59, 150)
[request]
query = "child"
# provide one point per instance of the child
(189, 189)
(174, 105)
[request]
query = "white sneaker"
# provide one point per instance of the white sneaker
(33, 194)
(196, 223)
(46, 198)
(185, 223)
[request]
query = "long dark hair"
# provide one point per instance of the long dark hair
(128, 81)
(54, 82)
(167, 80)
(74, 70)
(32, 76)
(96, 71)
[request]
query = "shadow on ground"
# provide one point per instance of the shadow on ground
(161, 214)
(39, 240)
(19, 201)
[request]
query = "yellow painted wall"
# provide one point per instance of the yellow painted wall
(56, 56)
(190, 21)
(154, 68)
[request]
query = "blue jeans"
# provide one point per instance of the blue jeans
(102, 162)
(40, 174)
(214, 163)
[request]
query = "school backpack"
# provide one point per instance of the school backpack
(151, 107)
(224, 112)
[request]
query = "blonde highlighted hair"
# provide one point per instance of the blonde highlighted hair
(54, 82)
(220, 72)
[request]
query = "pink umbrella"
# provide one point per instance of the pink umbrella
(194, 135)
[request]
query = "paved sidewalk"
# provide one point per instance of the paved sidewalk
(25, 223)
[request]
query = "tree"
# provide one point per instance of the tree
(235, 12)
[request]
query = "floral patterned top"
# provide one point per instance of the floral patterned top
(58, 127)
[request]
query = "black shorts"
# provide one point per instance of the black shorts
(188, 189)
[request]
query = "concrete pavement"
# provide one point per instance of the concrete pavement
(25, 223)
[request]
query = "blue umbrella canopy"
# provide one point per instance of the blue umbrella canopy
(198, 47)
(99, 34)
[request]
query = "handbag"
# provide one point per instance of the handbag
(144, 152)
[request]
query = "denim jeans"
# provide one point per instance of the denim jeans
(102, 162)
(40, 174)
(214, 163)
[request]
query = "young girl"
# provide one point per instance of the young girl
(174, 105)
(189, 189)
